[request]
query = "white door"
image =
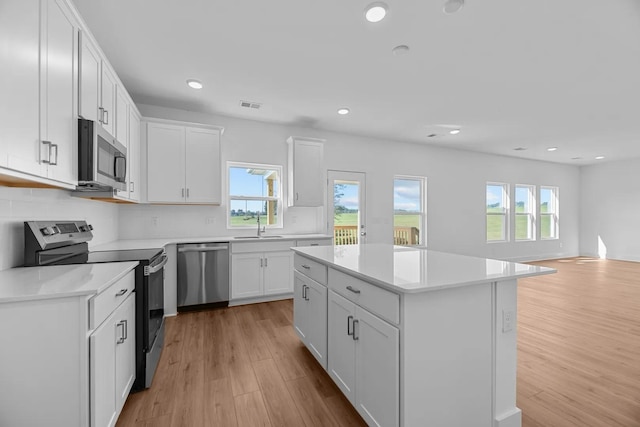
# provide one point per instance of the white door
(125, 350)
(58, 120)
(307, 164)
(165, 163)
(122, 116)
(108, 100)
(89, 79)
(317, 326)
(133, 156)
(20, 86)
(346, 218)
(341, 345)
(278, 272)
(246, 275)
(202, 166)
(300, 307)
(377, 369)
(103, 370)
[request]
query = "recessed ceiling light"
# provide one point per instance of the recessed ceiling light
(552, 148)
(599, 157)
(454, 131)
(195, 84)
(452, 6)
(402, 49)
(343, 111)
(375, 12)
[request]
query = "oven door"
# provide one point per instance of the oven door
(154, 310)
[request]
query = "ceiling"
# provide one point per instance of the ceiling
(510, 73)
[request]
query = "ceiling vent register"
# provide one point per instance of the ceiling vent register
(249, 104)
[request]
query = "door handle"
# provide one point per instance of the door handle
(46, 159)
(105, 113)
(349, 330)
(121, 292)
(355, 337)
(101, 110)
(121, 339)
(363, 233)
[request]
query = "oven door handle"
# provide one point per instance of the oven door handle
(149, 270)
(203, 249)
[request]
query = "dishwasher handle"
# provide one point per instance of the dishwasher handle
(204, 249)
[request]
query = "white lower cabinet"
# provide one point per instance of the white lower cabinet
(310, 315)
(364, 360)
(260, 274)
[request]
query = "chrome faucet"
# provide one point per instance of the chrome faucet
(260, 230)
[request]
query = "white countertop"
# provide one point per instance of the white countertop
(59, 281)
(410, 270)
(163, 241)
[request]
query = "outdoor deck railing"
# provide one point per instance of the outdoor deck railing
(348, 235)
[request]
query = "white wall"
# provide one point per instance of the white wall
(24, 204)
(455, 189)
(610, 209)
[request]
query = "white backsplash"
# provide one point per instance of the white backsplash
(152, 221)
(24, 204)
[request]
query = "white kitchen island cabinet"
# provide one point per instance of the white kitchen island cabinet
(70, 334)
(417, 337)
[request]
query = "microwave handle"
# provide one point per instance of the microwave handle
(120, 177)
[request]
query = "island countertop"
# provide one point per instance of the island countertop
(405, 269)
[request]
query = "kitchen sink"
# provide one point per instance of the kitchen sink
(256, 237)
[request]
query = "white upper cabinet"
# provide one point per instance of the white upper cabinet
(107, 100)
(19, 86)
(183, 164)
(133, 156)
(89, 99)
(122, 116)
(306, 171)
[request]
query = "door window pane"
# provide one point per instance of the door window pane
(409, 211)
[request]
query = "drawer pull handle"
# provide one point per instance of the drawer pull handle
(349, 323)
(315, 244)
(306, 266)
(352, 289)
(355, 337)
(121, 292)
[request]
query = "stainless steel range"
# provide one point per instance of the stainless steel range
(65, 242)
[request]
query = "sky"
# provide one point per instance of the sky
(406, 195)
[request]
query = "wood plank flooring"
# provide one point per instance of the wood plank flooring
(578, 360)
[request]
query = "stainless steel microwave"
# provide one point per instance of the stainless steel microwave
(102, 160)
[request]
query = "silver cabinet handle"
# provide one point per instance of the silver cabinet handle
(48, 157)
(352, 289)
(101, 115)
(121, 339)
(183, 192)
(187, 193)
(131, 187)
(305, 266)
(121, 292)
(261, 262)
(55, 161)
(304, 292)
(126, 329)
(314, 244)
(355, 337)
(266, 262)
(105, 113)
(296, 196)
(349, 323)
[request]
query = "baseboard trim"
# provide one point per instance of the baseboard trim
(512, 418)
(256, 300)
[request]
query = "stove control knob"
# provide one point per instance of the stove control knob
(90, 227)
(46, 231)
(84, 228)
(55, 230)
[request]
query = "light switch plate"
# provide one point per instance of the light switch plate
(508, 318)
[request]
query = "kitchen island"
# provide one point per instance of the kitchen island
(413, 337)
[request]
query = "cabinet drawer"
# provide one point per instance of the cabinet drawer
(101, 306)
(314, 242)
(310, 268)
(371, 297)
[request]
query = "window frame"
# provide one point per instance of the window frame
(531, 233)
(552, 211)
(279, 199)
(422, 238)
(505, 214)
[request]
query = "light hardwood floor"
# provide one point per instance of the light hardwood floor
(578, 360)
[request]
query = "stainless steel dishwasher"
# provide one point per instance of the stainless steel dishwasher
(203, 275)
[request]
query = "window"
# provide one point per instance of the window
(497, 209)
(409, 211)
(548, 212)
(525, 217)
(254, 192)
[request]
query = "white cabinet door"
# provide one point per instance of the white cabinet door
(122, 116)
(89, 76)
(377, 369)
(301, 313)
(306, 172)
(20, 86)
(58, 122)
(278, 272)
(125, 356)
(133, 156)
(202, 166)
(165, 163)
(103, 370)
(317, 324)
(246, 275)
(341, 344)
(108, 99)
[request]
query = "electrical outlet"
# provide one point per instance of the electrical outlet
(507, 320)
(154, 221)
